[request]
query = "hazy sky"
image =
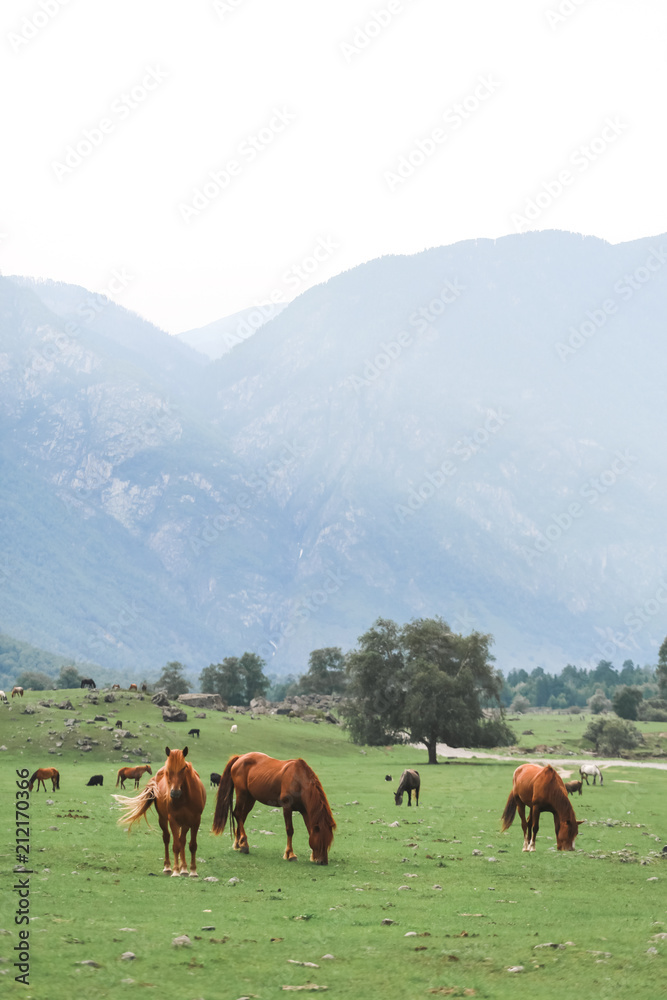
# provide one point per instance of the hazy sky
(194, 158)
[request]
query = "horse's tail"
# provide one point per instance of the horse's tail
(57, 776)
(32, 781)
(137, 806)
(224, 799)
(509, 813)
(118, 778)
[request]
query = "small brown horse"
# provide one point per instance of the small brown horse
(179, 797)
(42, 775)
(572, 786)
(127, 773)
(291, 784)
(542, 790)
(17, 691)
(132, 687)
(410, 782)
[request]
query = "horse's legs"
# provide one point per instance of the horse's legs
(417, 795)
(525, 826)
(535, 817)
(289, 854)
(178, 835)
(244, 803)
(164, 826)
(194, 829)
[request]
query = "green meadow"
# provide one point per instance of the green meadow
(463, 903)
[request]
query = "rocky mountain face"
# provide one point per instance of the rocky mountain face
(473, 431)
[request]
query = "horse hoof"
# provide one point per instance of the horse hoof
(166, 871)
(194, 874)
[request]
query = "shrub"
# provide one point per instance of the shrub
(626, 701)
(599, 702)
(520, 704)
(610, 736)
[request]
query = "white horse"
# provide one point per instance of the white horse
(3, 697)
(590, 770)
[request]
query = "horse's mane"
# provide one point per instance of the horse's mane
(558, 794)
(319, 810)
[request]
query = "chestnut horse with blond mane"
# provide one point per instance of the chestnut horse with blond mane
(542, 790)
(179, 797)
(42, 775)
(291, 784)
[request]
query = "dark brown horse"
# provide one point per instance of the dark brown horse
(409, 783)
(291, 784)
(179, 797)
(42, 775)
(542, 790)
(88, 682)
(572, 786)
(127, 773)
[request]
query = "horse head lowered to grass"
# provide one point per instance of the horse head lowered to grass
(291, 784)
(541, 789)
(179, 797)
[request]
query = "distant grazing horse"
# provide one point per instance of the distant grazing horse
(409, 783)
(291, 784)
(17, 691)
(572, 786)
(179, 797)
(119, 723)
(590, 771)
(97, 779)
(215, 778)
(542, 790)
(126, 773)
(144, 688)
(132, 687)
(88, 682)
(234, 728)
(115, 687)
(194, 732)
(3, 697)
(42, 775)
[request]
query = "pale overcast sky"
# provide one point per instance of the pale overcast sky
(195, 158)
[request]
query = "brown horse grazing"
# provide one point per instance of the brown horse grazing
(179, 797)
(125, 773)
(409, 783)
(132, 687)
(542, 790)
(291, 784)
(88, 682)
(572, 786)
(17, 691)
(42, 775)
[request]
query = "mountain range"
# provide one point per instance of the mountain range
(474, 432)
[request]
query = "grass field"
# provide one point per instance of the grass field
(466, 903)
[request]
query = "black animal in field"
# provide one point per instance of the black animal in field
(97, 779)
(215, 778)
(194, 732)
(88, 682)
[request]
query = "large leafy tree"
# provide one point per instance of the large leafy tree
(423, 683)
(326, 672)
(172, 680)
(237, 679)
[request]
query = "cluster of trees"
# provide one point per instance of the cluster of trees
(576, 686)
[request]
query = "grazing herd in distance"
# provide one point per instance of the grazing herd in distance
(179, 797)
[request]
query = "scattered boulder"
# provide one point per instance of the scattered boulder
(160, 699)
(100, 718)
(110, 697)
(174, 715)
(66, 705)
(212, 701)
